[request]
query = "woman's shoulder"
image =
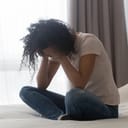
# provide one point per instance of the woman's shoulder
(87, 38)
(88, 43)
(85, 35)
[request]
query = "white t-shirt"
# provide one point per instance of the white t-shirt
(101, 82)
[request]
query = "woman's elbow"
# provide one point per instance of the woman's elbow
(80, 84)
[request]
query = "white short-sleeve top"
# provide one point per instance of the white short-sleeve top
(101, 82)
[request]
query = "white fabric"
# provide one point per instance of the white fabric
(21, 116)
(124, 93)
(101, 82)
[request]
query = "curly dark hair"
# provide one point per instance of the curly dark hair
(45, 33)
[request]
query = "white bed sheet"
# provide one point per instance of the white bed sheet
(21, 116)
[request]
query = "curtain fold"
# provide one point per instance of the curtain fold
(105, 19)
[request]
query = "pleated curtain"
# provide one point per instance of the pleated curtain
(105, 19)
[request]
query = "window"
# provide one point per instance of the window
(126, 12)
(15, 17)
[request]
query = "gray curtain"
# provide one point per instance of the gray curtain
(105, 19)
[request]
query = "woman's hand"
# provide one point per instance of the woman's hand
(54, 54)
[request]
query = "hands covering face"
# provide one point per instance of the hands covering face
(53, 53)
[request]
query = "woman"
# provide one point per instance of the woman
(94, 94)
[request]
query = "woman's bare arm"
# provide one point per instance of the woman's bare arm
(46, 72)
(80, 77)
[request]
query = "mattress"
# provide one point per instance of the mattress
(21, 116)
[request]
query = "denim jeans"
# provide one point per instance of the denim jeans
(78, 104)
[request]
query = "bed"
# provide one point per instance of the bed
(21, 116)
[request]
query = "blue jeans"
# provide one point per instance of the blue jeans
(78, 104)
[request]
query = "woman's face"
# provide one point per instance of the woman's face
(52, 52)
(49, 51)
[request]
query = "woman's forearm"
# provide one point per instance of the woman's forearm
(72, 73)
(42, 75)
(79, 77)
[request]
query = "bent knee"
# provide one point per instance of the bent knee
(73, 96)
(75, 92)
(25, 91)
(76, 95)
